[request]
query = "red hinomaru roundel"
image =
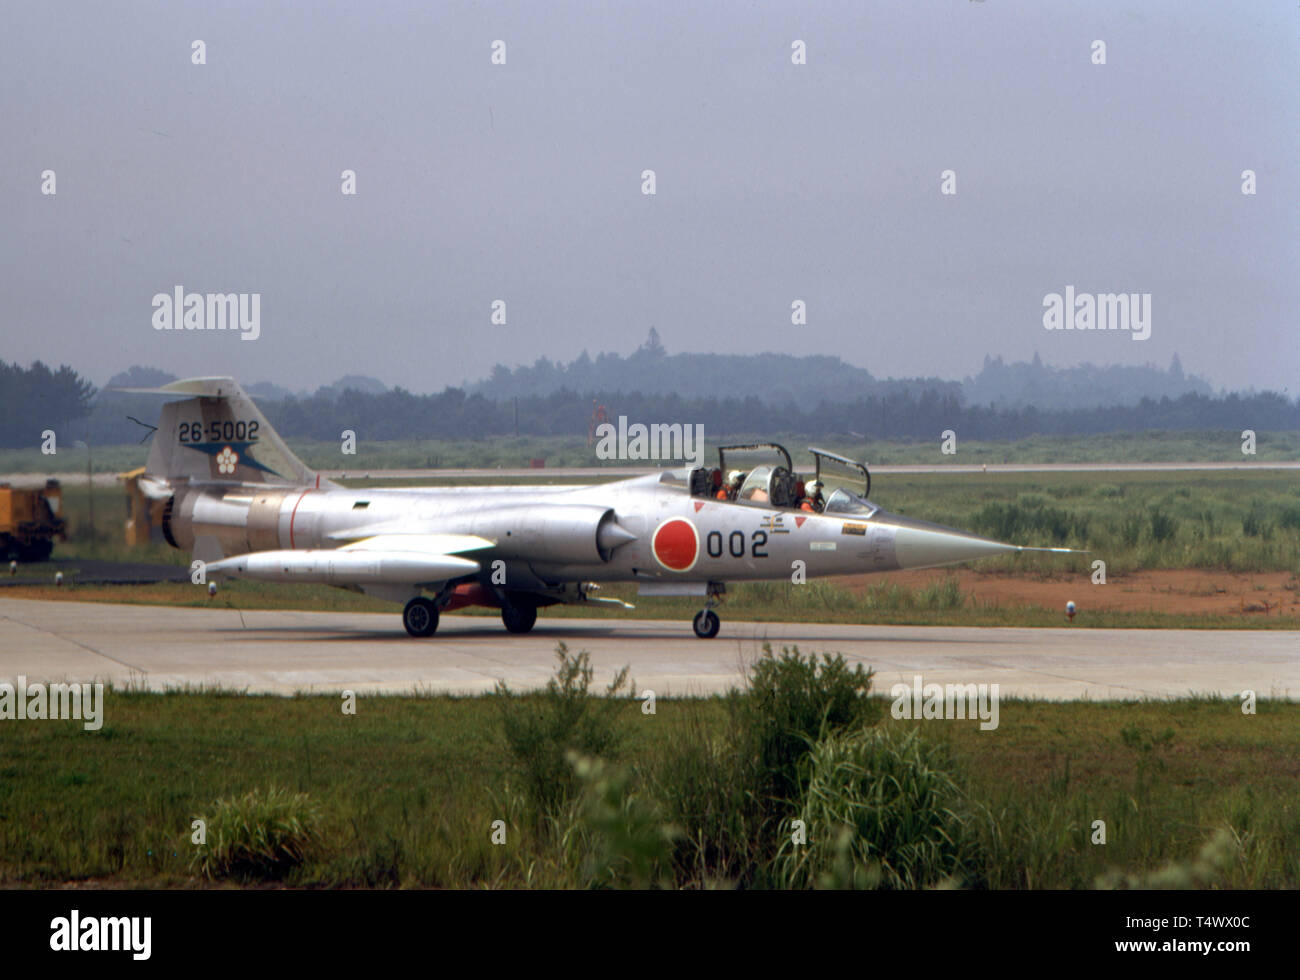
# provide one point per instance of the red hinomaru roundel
(676, 544)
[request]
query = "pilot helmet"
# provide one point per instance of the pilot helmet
(735, 476)
(814, 488)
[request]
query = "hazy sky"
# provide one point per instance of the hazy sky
(775, 182)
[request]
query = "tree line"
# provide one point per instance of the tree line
(400, 414)
(38, 398)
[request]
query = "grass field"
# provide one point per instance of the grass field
(405, 791)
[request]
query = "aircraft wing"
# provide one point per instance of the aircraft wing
(429, 544)
(413, 529)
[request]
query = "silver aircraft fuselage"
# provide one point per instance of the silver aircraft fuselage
(547, 534)
(235, 496)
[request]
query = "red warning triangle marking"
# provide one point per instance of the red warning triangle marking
(798, 521)
(698, 505)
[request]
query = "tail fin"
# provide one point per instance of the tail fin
(219, 434)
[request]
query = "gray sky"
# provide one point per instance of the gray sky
(775, 182)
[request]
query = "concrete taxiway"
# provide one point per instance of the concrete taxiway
(284, 652)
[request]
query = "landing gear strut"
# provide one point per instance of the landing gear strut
(420, 617)
(706, 621)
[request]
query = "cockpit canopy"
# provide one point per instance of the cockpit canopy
(843, 501)
(773, 485)
(777, 486)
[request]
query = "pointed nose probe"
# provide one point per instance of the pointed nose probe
(920, 544)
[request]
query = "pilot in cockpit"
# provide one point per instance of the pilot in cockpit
(734, 479)
(812, 500)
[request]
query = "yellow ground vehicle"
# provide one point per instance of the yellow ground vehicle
(30, 521)
(143, 515)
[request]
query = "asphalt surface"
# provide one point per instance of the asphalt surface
(283, 652)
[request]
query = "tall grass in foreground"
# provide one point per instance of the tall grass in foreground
(260, 835)
(882, 809)
(731, 789)
(426, 791)
(541, 732)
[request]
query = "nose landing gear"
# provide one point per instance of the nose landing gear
(706, 621)
(706, 624)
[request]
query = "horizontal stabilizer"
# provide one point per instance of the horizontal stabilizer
(213, 387)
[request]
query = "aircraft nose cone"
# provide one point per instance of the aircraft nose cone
(920, 544)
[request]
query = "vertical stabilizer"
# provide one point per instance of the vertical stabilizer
(219, 434)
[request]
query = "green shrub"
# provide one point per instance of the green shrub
(260, 835)
(1029, 519)
(730, 791)
(706, 778)
(1255, 524)
(541, 728)
(1130, 530)
(627, 843)
(827, 595)
(793, 701)
(882, 809)
(942, 595)
(888, 596)
(1163, 527)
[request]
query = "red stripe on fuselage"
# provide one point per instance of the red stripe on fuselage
(295, 514)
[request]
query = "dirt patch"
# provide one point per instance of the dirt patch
(1189, 592)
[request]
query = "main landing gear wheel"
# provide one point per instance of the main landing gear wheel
(420, 617)
(519, 619)
(706, 624)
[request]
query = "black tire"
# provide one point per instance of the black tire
(420, 617)
(706, 624)
(519, 619)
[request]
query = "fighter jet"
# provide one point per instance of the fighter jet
(246, 507)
